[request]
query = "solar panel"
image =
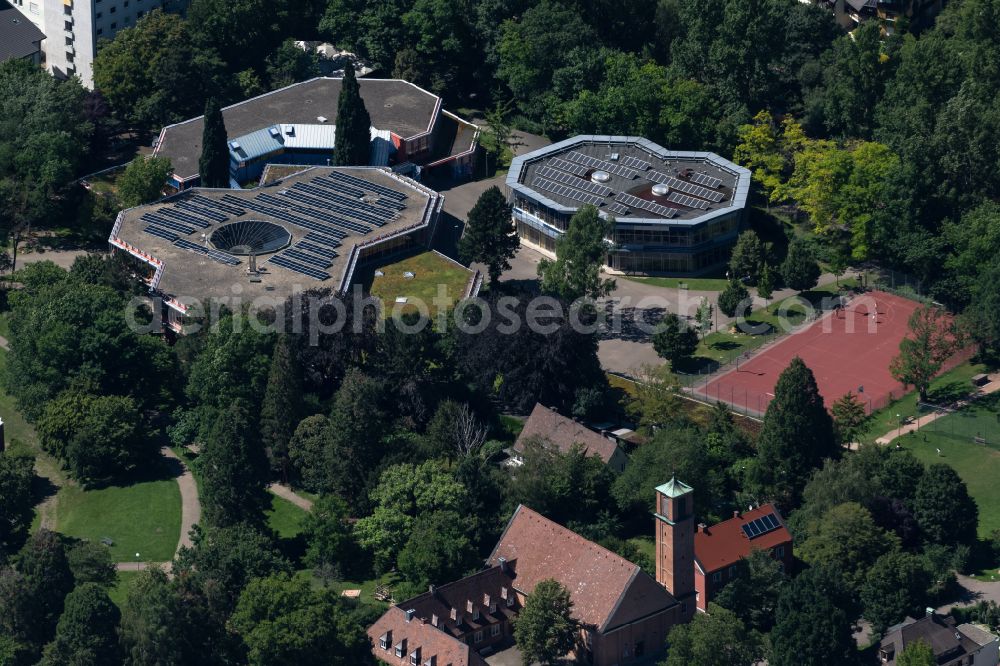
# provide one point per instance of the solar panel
(318, 262)
(160, 232)
(565, 191)
(185, 244)
(685, 200)
(603, 165)
(706, 180)
(296, 267)
(618, 209)
(184, 217)
(635, 163)
(336, 220)
(223, 258)
(573, 181)
(316, 249)
(336, 186)
(685, 187)
(371, 187)
(167, 223)
(319, 200)
(761, 525)
(214, 204)
(569, 167)
(651, 206)
(324, 239)
(204, 212)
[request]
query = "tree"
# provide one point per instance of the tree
(799, 270)
(797, 436)
(942, 506)
(760, 150)
(353, 124)
(813, 622)
(704, 316)
(438, 549)
(545, 629)
(895, 586)
(656, 402)
(91, 563)
(580, 253)
(16, 500)
(234, 471)
(747, 258)
(931, 341)
(143, 180)
(765, 283)
(87, 633)
(307, 451)
(331, 545)
(281, 406)
(715, 638)
(917, 653)
(734, 298)
(439, 37)
(151, 622)
(213, 165)
(849, 418)
(674, 340)
(489, 236)
(753, 594)
(290, 64)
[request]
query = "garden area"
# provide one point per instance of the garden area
(417, 279)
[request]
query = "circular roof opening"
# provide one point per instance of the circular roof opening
(250, 237)
(660, 190)
(600, 176)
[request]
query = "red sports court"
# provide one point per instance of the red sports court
(847, 350)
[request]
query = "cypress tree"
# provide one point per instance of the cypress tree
(353, 124)
(214, 163)
(234, 470)
(88, 629)
(279, 412)
(489, 234)
(797, 436)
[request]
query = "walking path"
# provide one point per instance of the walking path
(190, 513)
(287, 493)
(992, 387)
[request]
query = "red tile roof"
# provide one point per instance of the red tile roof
(725, 544)
(480, 591)
(431, 641)
(548, 424)
(607, 590)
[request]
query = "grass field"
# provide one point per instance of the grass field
(429, 271)
(142, 518)
(285, 518)
(120, 590)
(696, 284)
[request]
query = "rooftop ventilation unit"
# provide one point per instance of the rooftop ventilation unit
(321, 119)
(614, 157)
(290, 130)
(660, 190)
(600, 176)
(274, 132)
(235, 145)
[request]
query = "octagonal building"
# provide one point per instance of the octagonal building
(674, 212)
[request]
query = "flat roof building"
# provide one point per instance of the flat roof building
(675, 212)
(297, 125)
(310, 229)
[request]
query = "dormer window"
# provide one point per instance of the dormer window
(415, 657)
(475, 614)
(385, 640)
(493, 608)
(486, 600)
(400, 648)
(510, 600)
(468, 606)
(503, 592)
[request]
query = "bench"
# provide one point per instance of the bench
(908, 420)
(980, 380)
(979, 440)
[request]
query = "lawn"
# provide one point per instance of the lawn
(276, 172)
(105, 183)
(285, 518)
(947, 386)
(120, 590)
(695, 284)
(143, 518)
(430, 271)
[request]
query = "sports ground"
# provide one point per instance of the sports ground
(848, 349)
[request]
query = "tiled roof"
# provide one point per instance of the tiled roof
(19, 38)
(725, 544)
(606, 589)
(464, 605)
(431, 642)
(949, 644)
(564, 433)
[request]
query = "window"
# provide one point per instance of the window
(717, 577)
(100, 31)
(780, 551)
(510, 600)
(478, 637)
(732, 572)
(113, 10)
(98, 15)
(475, 614)
(33, 7)
(114, 26)
(493, 608)
(495, 630)
(383, 642)
(415, 657)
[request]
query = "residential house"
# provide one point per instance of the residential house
(550, 427)
(953, 644)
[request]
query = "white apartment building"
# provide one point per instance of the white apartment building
(73, 29)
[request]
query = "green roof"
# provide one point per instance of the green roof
(674, 488)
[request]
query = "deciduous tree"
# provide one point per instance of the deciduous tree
(545, 629)
(735, 298)
(715, 638)
(16, 501)
(932, 339)
(917, 653)
(87, 633)
(143, 180)
(894, 587)
(674, 340)
(942, 506)
(813, 622)
(799, 270)
(489, 236)
(580, 253)
(747, 258)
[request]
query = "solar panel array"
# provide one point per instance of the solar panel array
(329, 218)
(204, 212)
(573, 181)
(619, 209)
(296, 267)
(317, 197)
(685, 187)
(215, 255)
(651, 206)
(569, 167)
(635, 163)
(186, 218)
(215, 204)
(316, 249)
(761, 525)
(603, 165)
(160, 232)
(322, 239)
(685, 200)
(565, 191)
(366, 185)
(167, 223)
(706, 180)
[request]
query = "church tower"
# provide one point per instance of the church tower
(675, 543)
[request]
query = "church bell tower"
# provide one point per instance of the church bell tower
(674, 517)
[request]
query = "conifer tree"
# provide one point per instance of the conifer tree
(214, 163)
(489, 234)
(353, 136)
(88, 629)
(234, 470)
(797, 436)
(279, 413)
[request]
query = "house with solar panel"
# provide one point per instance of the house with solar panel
(298, 125)
(674, 212)
(694, 563)
(310, 229)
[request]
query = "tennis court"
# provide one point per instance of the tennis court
(847, 349)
